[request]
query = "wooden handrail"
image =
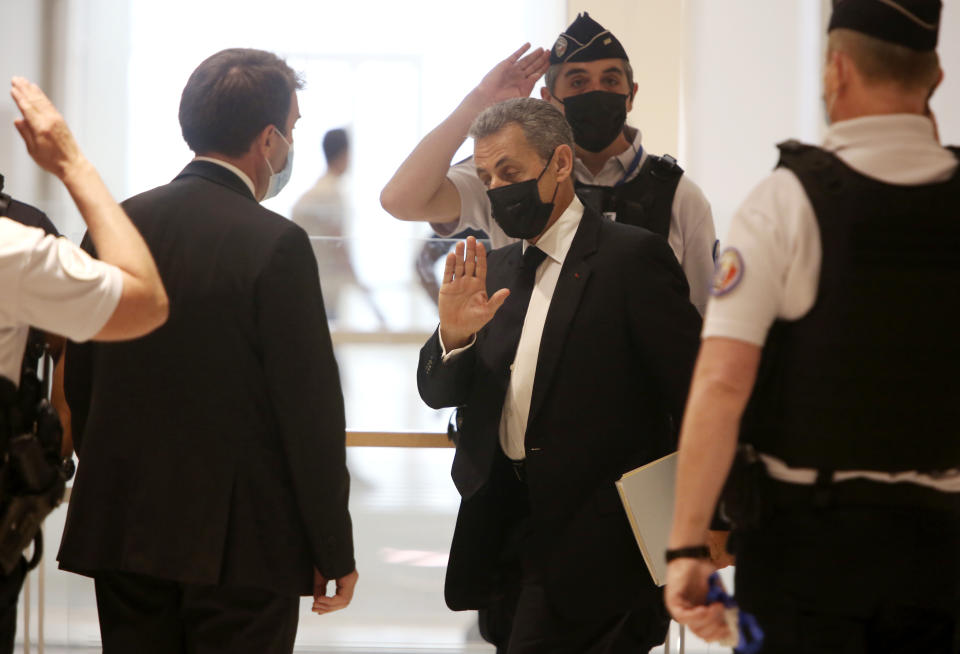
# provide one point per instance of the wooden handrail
(397, 439)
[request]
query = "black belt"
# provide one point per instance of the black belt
(860, 493)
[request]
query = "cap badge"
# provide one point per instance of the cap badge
(560, 47)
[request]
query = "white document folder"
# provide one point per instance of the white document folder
(648, 494)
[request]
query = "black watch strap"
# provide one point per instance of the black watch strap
(694, 552)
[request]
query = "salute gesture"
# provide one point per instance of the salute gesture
(514, 77)
(420, 190)
(45, 133)
(463, 303)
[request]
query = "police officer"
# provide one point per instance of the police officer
(830, 345)
(590, 79)
(49, 283)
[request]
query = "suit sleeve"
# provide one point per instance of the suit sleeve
(78, 376)
(304, 386)
(666, 325)
(444, 383)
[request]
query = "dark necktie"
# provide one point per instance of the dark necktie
(504, 334)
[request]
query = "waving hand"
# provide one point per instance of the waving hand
(463, 302)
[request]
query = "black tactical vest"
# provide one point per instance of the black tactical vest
(869, 379)
(644, 201)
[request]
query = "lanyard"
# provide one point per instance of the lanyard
(632, 167)
(750, 638)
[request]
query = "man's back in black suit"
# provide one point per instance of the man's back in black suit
(212, 477)
(553, 549)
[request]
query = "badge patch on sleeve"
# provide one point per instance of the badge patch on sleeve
(729, 272)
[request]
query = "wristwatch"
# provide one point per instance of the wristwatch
(693, 552)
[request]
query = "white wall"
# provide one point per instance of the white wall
(752, 78)
(21, 53)
(946, 102)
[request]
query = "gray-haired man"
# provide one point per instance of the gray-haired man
(571, 359)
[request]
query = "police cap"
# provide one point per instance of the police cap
(911, 23)
(586, 40)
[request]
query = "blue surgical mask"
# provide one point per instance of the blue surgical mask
(279, 179)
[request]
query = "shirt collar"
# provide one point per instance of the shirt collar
(557, 240)
(625, 158)
(889, 129)
(233, 169)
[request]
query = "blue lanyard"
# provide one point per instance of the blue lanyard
(632, 167)
(751, 635)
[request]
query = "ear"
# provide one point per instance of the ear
(844, 69)
(936, 85)
(630, 98)
(564, 160)
(264, 142)
(548, 96)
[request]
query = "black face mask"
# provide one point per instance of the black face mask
(518, 209)
(597, 118)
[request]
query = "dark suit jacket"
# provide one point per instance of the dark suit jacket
(212, 450)
(615, 361)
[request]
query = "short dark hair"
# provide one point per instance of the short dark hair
(232, 96)
(335, 143)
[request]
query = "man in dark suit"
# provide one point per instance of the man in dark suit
(572, 373)
(212, 486)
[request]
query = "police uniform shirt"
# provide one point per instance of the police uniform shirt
(769, 262)
(555, 243)
(52, 284)
(691, 235)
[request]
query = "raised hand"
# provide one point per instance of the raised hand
(43, 129)
(463, 302)
(514, 77)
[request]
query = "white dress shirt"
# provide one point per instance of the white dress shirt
(555, 243)
(691, 235)
(50, 283)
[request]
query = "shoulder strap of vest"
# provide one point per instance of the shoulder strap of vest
(812, 165)
(794, 152)
(663, 167)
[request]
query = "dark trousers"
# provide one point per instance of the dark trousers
(522, 620)
(10, 586)
(154, 616)
(536, 628)
(835, 579)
